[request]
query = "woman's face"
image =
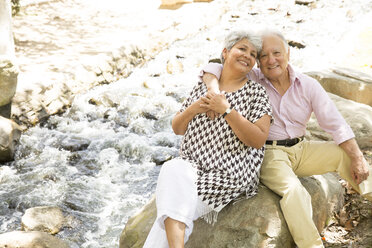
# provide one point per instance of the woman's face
(241, 57)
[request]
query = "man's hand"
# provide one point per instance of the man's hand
(359, 166)
(359, 169)
(210, 113)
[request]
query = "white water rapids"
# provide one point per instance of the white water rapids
(98, 160)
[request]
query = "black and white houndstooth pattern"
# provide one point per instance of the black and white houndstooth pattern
(226, 166)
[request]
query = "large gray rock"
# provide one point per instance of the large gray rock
(256, 222)
(10, 133)
(8, 69)
(8, 81)
(347, 83)
(358, 116)
(45, 219)
(34, 239)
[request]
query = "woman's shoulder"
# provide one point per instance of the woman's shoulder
(254, 86)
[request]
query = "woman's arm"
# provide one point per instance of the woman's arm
(181, 119)
(251, 134)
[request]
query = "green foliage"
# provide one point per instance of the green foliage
(15, 7)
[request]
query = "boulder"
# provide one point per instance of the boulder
(347, 83)
(45, 219)
(33, 239)
(10, 133)
(358, 116)
(8, 69)
(255, 222)
(8, 81)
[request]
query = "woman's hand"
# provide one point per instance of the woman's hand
(181, 119)
(215, 102)
(199, 107)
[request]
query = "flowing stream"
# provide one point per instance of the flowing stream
(99, 161)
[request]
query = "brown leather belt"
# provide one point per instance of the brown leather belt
(287, 142)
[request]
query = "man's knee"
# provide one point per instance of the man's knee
(294, 186)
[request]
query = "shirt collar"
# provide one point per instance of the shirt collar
(293, 75)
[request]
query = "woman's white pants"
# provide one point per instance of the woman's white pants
(177, 198)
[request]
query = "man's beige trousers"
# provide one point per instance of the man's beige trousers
(280, 171)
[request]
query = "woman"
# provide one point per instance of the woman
(220, 158)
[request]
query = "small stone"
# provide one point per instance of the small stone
(296, 44)
(304, 2)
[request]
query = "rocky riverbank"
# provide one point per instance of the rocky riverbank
(66, 47)
(98, 161)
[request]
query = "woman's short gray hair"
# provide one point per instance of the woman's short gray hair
(235, 36)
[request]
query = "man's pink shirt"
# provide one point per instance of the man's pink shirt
(292, 111)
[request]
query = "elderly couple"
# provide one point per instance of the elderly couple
(227, 119)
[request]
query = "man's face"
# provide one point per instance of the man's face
(273, 58)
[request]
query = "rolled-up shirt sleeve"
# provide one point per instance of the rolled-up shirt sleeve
(329, 118)
(213, 68)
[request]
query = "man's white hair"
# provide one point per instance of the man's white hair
(272, 32)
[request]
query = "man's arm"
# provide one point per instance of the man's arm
(359, 165)
(211, 81)
(331, 121)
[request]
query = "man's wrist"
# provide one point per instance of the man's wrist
(213, 89)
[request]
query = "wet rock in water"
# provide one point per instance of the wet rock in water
(346, 83)
(10, 133)
(163, 154)
(358, 116)
(255, 222)
(32, 239)
(45, 219)
(150, 116)
(93, 101)
(75, 144)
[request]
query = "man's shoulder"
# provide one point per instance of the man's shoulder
(304, 78)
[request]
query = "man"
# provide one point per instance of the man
(294, 96)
